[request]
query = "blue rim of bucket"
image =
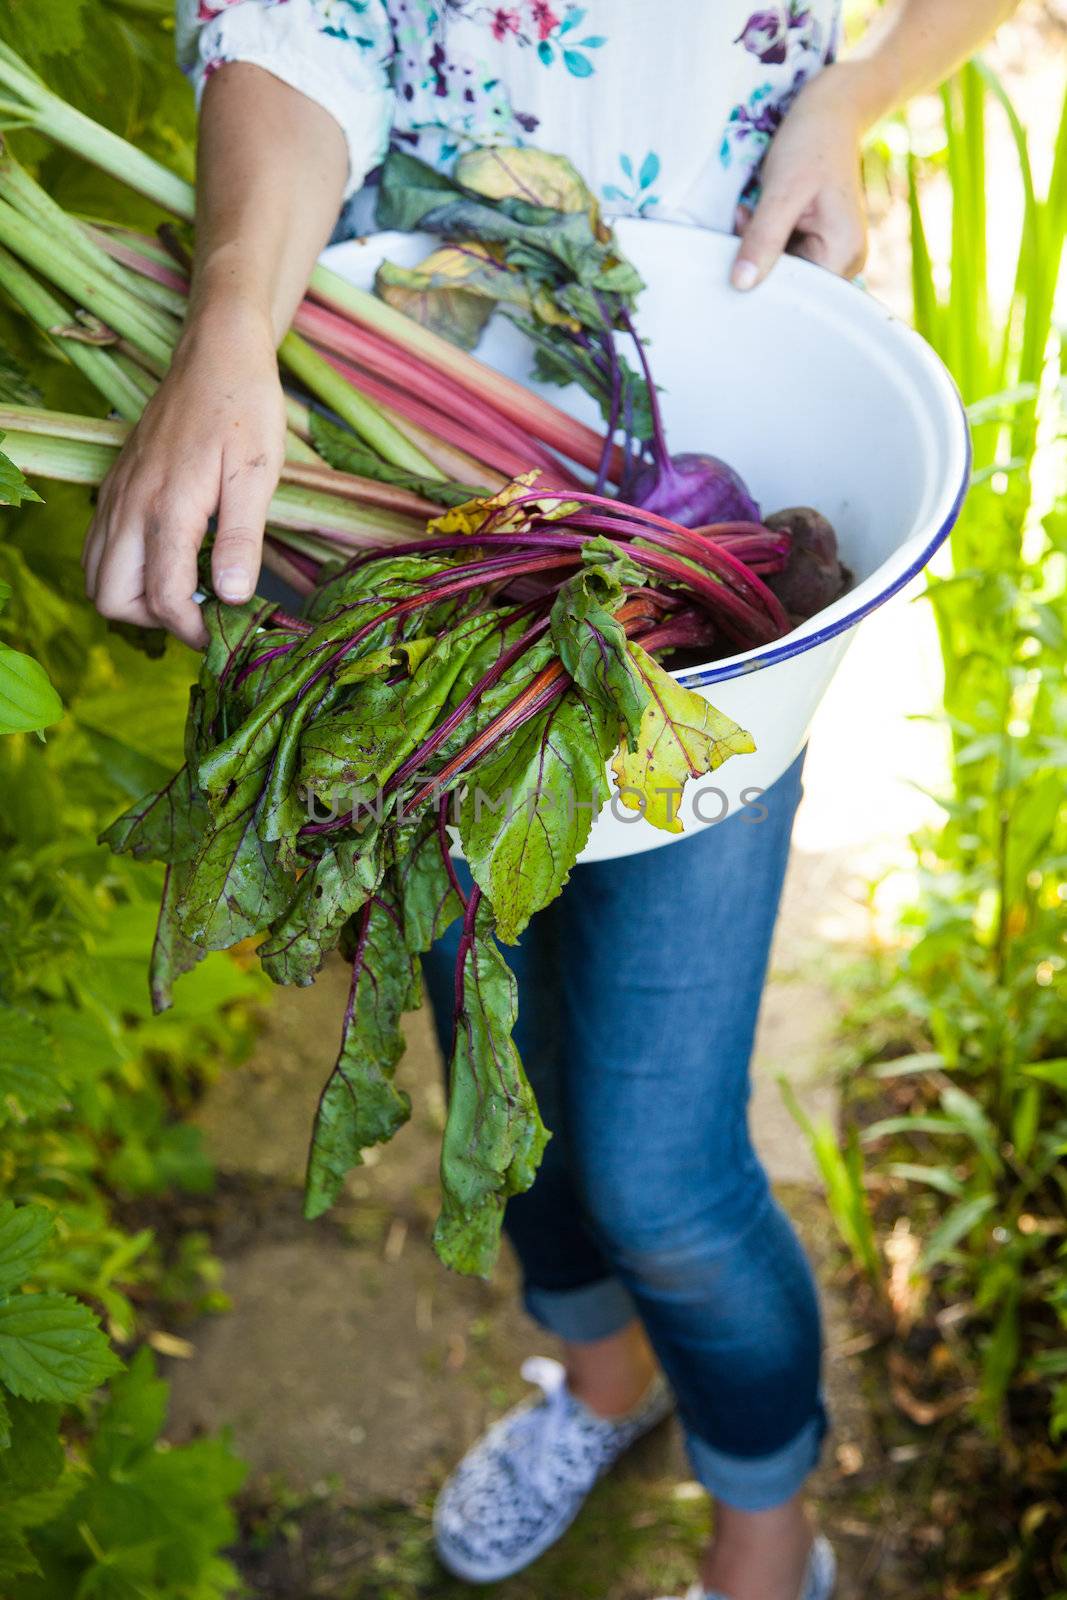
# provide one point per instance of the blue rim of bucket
(700, 677)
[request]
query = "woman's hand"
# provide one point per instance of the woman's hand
(812, 195)
(211, 440)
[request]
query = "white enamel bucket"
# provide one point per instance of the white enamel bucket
(818, 396)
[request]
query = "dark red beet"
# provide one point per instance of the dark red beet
(813, 576)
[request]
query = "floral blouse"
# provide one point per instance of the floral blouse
(666, 107)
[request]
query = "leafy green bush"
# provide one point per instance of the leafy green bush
(112, 1513)
(93, 1087)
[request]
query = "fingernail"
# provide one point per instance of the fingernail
(744, 275)
(233, 583)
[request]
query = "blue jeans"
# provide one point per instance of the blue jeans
(639, 990)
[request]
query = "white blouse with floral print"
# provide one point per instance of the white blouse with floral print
(665, 106)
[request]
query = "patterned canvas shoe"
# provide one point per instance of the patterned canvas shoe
(819, 1580)
(521, 1486)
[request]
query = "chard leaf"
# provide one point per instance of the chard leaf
(409, 189)
(361, 1105)
(346, 451)
(498, 695)
(529, 807)
(681, 737)
(454, 290)
(494, 1136)
(428, 902)
(348, 756)
(532, 204)
(236, 885)
(232, 635)
(525, 173)
(330, 892)
(492, 511)
(592, 643)
(172, 953)
(165, 826)
(281, 812)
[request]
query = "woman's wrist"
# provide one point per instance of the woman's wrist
(224, 290)
(223, 319)
(864, 88)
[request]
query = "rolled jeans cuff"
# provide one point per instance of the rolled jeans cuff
(758, 1483)
(595, 1311)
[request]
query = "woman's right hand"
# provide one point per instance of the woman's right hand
(211, 440)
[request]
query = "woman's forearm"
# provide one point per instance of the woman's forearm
(271, 173)
(914, 45)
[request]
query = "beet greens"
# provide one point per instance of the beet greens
(476, 682)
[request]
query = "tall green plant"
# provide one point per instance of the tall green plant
(987, 969)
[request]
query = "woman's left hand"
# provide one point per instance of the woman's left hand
(812, 193)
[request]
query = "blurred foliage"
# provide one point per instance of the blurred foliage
(93, 1088)
(971, 1156)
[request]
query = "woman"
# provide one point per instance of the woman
(650, 1243)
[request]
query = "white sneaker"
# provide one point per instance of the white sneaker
(819, 1580)
(522, 1485)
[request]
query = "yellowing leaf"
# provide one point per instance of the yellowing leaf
(491, 510)
(536, 176)
(681, 737)
(456, 289)
(472, 515)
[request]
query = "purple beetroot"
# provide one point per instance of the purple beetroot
(693, 489)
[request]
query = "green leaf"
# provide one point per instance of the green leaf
(51, 1348)
(173, 955)
(133, 1418)
(494, 1136)
(360, 1104)
(28, 701)
(165, 826)
(347, 757)
(328, 894)
(592, 643)
(24, 1232)
(1053, 1072)
(429, 903)
(937, 1177)
(346, 451)
(953, 1228)
(236, 885)
(14, 489)
(16, 386)
(31, 1081)
(682, 736)
(529, 807)
(36, 1457)
(35, 33)
(16, 1558)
